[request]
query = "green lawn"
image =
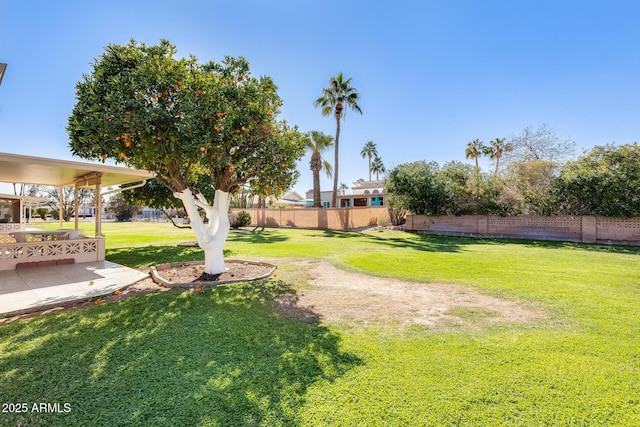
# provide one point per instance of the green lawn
(224, 357)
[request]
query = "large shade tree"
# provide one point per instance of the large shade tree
(338, 95)
(316, 144)
(143, 107)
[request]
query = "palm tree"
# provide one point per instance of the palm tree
(496, 149)
(474, 150)
(334, 98)
(369, 150)
(343, 188)
(377, 167)
(316, 144)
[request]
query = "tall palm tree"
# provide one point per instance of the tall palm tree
(316, 144)
(377, 167)
(496, 149)
(334, 99)
(343, 188)
(369, 150)
(474, 150)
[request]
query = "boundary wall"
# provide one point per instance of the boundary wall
(587, 229)
(321, 218)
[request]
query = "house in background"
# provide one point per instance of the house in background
(325, 199)
(364, 193)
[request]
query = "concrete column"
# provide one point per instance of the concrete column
(75, 204)
(589, 229)
(61, 207)
(98, 210)
(483, 225)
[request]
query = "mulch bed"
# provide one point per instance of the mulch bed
(189, 274)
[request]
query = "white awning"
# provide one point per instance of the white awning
(26, 199)
(16, 168)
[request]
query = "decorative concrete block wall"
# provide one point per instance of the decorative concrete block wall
(587, 229)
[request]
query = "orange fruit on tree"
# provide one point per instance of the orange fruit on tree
(203, 149)
(127, 143)
(217, 128)
(116, 292)
(159, 138)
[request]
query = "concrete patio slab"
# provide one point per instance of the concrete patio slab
(34, 289)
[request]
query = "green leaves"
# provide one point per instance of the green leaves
(145, 108)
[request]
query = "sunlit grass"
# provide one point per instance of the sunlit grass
(228, 354)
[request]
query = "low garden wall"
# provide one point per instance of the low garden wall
(588, 229)
(323, 218)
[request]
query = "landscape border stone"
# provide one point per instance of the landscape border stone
(166, 266)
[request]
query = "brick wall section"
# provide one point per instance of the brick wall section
(587, 229)
(326, 219)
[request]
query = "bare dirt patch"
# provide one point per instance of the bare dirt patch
(338, 295)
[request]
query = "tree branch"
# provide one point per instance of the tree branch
(172, 221)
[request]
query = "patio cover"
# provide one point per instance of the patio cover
(16, 168)
(63, 173)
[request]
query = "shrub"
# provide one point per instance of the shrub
(241, 219)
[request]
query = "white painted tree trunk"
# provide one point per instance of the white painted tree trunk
(211, 237)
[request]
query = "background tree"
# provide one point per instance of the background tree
(369, 150)
(414, 187)
(42, 213)
(121, 208)
(496, 149)
(343, 188)
(454, 177)
(316, 144)
(52, 194)
(604, 181)
(474, 150)
(533, 184)
(377, 167)
(182, 119)
(542, 143)
(338, 95)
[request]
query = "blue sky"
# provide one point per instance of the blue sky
(433, 75)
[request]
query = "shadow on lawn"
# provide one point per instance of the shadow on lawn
(438, 243)
(418, 242)
(218, 357)
(256, 235)
(142, 256)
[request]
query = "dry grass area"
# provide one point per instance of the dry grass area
(338, 295)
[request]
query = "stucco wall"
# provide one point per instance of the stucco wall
(328, 219)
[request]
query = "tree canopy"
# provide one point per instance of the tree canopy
(604, 181)
(143, 107)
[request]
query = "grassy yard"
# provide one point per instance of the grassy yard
(225, 358)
